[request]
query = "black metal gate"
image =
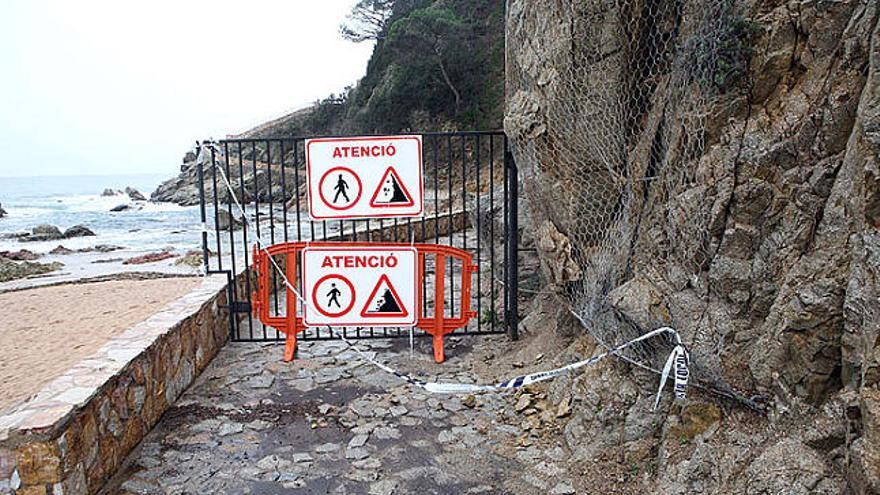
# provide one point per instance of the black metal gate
(471, 202)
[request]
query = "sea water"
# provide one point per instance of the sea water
(147, 227)
(76, 200)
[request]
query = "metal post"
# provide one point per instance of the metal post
(512, 234)
(203, 213)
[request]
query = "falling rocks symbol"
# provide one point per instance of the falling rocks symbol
(384, 301)
(391, 191)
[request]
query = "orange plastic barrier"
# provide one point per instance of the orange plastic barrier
(437, 324)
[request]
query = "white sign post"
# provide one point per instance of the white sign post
(369, 286)
(365, 177)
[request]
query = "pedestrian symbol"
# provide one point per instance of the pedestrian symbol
(340, 188)
(384, 301)
(333, 295)
(391, 191)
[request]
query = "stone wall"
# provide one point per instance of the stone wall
(73, 435)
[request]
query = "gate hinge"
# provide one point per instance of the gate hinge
(240, 307)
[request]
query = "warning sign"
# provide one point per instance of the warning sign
(360, 286)
(364, 177)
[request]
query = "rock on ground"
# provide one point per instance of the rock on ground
(20, 255)
(78, 231)
(149, 258)
(11, 270)
(134, 194)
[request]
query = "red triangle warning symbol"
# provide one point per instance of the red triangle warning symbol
(391, 192)
(384, 301)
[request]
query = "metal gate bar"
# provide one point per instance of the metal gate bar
(471, 202)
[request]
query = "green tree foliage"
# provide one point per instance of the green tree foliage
(433, 37)
(367, 20)
(437, 64)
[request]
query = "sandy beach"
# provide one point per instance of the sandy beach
(49, 329)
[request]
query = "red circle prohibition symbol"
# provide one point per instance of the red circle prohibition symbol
(318, 305)
(340, 169)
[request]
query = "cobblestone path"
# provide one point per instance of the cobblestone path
(330, 423)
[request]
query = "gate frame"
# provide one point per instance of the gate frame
(240, 279)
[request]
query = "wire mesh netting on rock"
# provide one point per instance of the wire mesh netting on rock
(608, 104)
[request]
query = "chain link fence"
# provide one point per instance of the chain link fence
(608, 120)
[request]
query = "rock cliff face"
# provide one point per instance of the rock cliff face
(765, 255)
(184, 189)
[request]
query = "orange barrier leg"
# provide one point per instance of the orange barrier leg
(438, 349)
(292, 327)
(290, 347)
(439, 275)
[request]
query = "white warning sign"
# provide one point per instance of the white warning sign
(364, 286)
(365, 177)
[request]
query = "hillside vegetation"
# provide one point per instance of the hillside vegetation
(437, 65)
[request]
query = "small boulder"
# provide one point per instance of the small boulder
(225, 221)
(148, 258)
(104, 248)
(46, 229)
(78, 231)
(123, 207)
(192, 259)
(11, 270)
(61, 250)
(108, 192)
(43, 232)
(107, 260)
(2, 211)
(134, 194)
(14, 235)
(20, 255)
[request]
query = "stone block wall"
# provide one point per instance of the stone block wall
(74, 434)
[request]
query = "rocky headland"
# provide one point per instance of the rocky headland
(250, 165)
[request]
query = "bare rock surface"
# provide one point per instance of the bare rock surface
(12, 270)
(777, 290)
(20, 255)
(251, 166)
(46, 232)
(149, 258)
(134, 194)
(78, 231)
